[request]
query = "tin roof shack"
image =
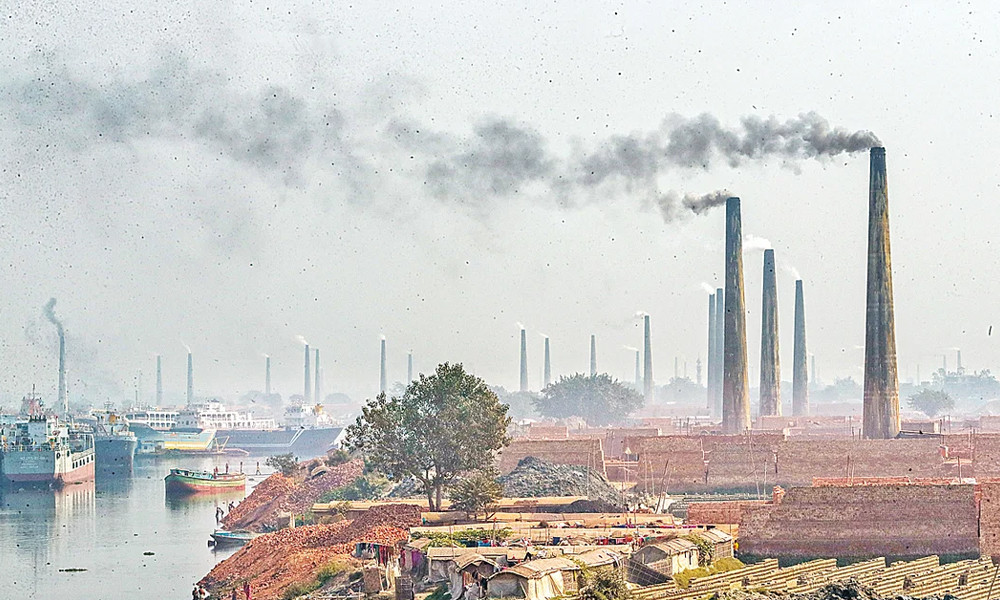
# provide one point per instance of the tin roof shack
(441, 561)
(722, 542)
(548, 577)
(656, 563)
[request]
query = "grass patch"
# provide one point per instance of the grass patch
(323, 576)
(683, 579)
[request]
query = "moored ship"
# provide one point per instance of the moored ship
(40, 450)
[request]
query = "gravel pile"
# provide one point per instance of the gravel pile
(533, 478)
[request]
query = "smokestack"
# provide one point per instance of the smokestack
(308, 395)
(647, 377)
(735, 388)
(697, 370)
(770, 363)
(190, 388)
(813, 379)
(720, 350)
(959, 366)
(383, 384)
(524, 362)
(710, 376)
(50, 314)
(677, 368)
(944, 364)
(317, 392)
(593, 355)
(881, 408)
(800, 376)
(548, 366)
(638, 371)
(267, 375)
(159, 381)
(409, 368)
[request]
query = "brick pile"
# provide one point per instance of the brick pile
(279, 494)
(581, 452)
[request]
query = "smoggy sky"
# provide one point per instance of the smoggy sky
(230, 176)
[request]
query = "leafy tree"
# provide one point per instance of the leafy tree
(598, 399)
(602, 584)
(477, 493)
(285, 463)
(842, 388)
(337, 457)
(931, 402)
(520, 405)
(366, 487)
(680, 389)
(443, 425)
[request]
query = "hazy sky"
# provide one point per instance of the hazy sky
(229, 176)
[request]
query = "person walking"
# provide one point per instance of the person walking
(227, 468)
(247, 590)
(258, 468)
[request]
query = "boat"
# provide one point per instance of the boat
(184, 481)
(305, 442)
(114, 442)
(41, 450)
(223, 539)
(156, 441)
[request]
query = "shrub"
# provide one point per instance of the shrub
(683, 579)
(285, 463)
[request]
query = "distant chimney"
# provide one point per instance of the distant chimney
(944, 364)
(813, 378)
(308, 395)
(959, 366)
(159, 381)
(735, 388)
(593, 355)
(720, 349)
(383, 385)
(547, 377)
(710, 375)
(677, 367)
(409, 368)
(647, 376)
(770, 363)
(190, 388)
(267, 375)
(62, 398)
(697, 370)
(524, 362)
(638, 371)
(800, 374)
(881, 406)
(317, 384)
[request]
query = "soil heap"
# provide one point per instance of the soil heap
(533, 478)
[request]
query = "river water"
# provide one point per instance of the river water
(133, 541)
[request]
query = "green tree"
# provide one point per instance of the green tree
(285, 463)
(477, 493)
(443, 425)
(598, 399)
(931, 402)
(602, 584)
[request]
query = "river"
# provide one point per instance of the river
(132, 540)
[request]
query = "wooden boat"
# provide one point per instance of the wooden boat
(183, 481)
(232, 538)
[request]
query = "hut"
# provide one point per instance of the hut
(657, 563)
(547, 577)
(722, 542)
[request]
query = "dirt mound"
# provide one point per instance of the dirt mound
(279, 494)
(589, 506)
(533, 478)
(275, 561)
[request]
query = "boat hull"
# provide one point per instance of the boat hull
(47, 467)
(154, 441)
(303, 443)
(115, 452)
(187, 484)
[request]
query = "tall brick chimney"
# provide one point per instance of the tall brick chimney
(409, 368)
(638, 371)
(267, 375)
(770, 363)
(159, 381)
(710, 376)
(317, 389)
(720, 350)
(524, 362)
(307, 385)
(547, 379)
(735, 388)
(190, 386)
(881, 407)
(647, 373)
(383, 380)
(800, 372)
(593, 355)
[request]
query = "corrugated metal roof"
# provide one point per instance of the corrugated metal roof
(715, 535)
(473, 558)
(533, 569)
(674, 546)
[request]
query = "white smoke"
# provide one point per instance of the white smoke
(186, 347)
(753, 243)
(630, 348)
(302, 340)
(791, 270)
(708, 288)
(520, 325)
(543, 335)
(641, 314)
